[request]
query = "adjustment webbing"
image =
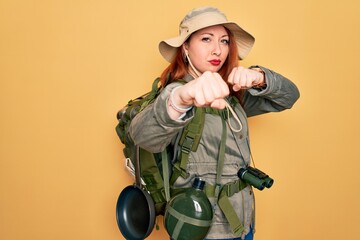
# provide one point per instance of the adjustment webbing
(231, 215)
(225, 205)
(223, 200)
(227, 191)
(221, 157)
(190, 140)
(165, 169)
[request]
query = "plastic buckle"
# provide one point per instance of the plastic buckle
(233, 188)
(187, 145)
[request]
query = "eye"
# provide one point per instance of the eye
(225, 41)
(205, 39)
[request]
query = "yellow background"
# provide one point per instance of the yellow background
(67, 67)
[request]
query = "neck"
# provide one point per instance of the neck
(192, 72)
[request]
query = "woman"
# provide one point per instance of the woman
(205, 57)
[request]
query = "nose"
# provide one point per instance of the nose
(216, 49)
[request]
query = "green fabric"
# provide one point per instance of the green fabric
(190, 137)
(165, 168)
(230, 189)
(183, 218)
(227, 191)
(221, 157)
(231, 215)
(189, 141)
(153, 179)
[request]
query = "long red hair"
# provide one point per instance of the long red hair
(178, 68)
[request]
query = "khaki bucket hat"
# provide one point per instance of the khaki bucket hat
(200, 18)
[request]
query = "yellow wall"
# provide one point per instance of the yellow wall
(67, 66)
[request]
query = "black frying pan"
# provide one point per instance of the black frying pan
(135, 209)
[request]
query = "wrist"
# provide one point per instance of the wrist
(174, 104)
(262, 83)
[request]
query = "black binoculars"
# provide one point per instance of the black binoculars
(255, 177)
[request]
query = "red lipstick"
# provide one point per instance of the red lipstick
(215, 62)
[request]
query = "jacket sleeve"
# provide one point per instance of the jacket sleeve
(279, 94)
(153, 129)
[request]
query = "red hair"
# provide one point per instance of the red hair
(178, 68)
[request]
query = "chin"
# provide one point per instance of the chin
(215, 69)
(211, 69)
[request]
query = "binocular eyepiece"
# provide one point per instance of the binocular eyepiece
(255, 177)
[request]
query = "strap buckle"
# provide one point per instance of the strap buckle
(187, 145)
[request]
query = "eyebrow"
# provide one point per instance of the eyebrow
(225, 35)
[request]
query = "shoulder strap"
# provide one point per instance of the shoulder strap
(189, 141)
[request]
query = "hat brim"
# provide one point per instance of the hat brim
(244, 41)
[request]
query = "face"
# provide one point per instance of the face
(208, 48)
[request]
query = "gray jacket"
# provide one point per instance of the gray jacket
(153, 130)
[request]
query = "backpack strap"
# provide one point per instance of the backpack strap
(222, 193)
(151, 175)
(189, 141)
(227, 208)
(166, 174)
(221, 157)
(225, 205)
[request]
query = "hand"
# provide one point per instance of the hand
(244, 78)
(207, 90)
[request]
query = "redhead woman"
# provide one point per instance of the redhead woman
(204, 73)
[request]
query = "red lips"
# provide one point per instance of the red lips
(215, 62)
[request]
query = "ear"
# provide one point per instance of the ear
(185, 48)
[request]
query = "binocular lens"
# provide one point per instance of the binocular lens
(255, 178)
(269, 182)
